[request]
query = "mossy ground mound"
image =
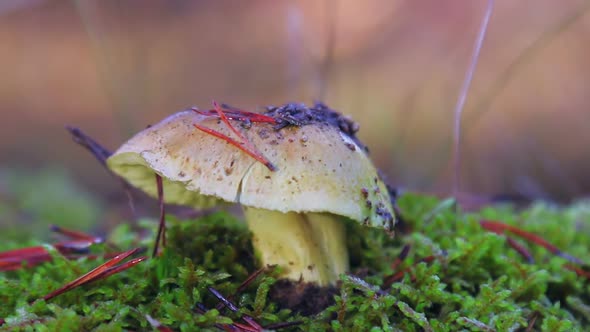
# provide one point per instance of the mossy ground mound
(472, 279)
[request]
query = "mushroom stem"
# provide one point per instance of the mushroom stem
(308, 246)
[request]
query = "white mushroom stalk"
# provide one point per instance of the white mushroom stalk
(308, 246)
(321, 176)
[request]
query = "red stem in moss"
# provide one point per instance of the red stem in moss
(243, 285)
(401, 257)
(532, 321)
(399, 275)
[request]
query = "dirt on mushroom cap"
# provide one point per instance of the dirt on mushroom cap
(321, 165)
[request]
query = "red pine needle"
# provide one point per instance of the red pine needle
(76, 235)
(521, 250)
(501, 228)
(14, 259)
(579, 271)
(238, 114)
(22, 253)
(249, 280)
(122, 267)
(102, 271)
(245, 328)
(252, 322)
(244, 145)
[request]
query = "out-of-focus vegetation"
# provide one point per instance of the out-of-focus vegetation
(395, 66)
(30, 202)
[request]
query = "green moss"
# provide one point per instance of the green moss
(475, 281)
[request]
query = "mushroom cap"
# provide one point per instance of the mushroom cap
(319, 168)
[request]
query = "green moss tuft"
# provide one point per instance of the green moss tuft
(474, 281)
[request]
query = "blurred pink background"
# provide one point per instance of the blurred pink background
(112, 67)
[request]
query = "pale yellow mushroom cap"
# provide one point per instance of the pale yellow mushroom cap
(319, 168)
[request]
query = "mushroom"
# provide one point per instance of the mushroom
(321, 176)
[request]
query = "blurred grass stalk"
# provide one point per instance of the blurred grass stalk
(463, 96)
(125, 87)
(466, 127)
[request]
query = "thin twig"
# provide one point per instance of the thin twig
(161, 236)
(101, 154)
(331, 10)
(98, 151)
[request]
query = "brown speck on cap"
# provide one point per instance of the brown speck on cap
(350, 146)
(364, 193)
(263, 133)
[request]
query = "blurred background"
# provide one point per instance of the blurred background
(395, 66)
